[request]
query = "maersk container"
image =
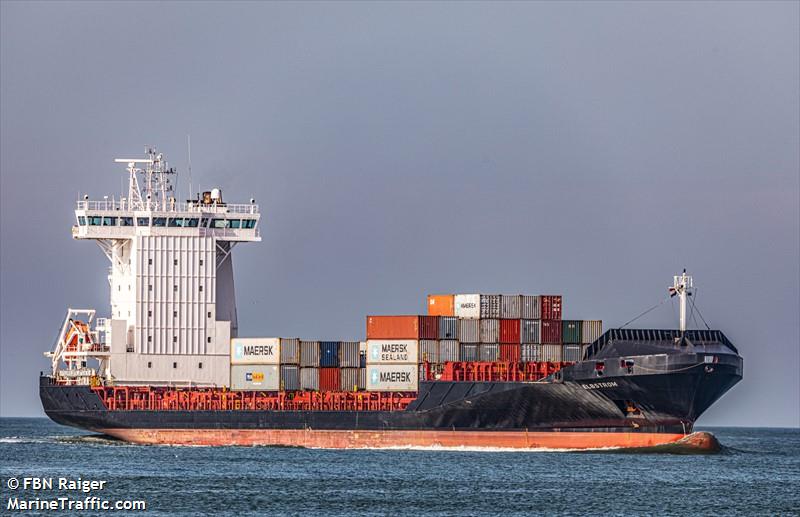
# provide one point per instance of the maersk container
(530, 353)
(393, 377)
(573, 353)
(529, 331)
(290, 351)
(468, 352)
(255, 350)
(350, 379)
(441, 305)
(488, 352)
(449, 350)
(490, 306)
(428, 350)
(468, 306)
(552, 353)
(550, 331)
(309, 379)
(490, 331)
(392, 351)
(429, 327)
(509, 331)
(255, 377)
(329, 379)
(448, 328)
(349, 354)
(591, 331)
(510, 306)
(290, 377)
(550, 306)
(571, 331)
(469, 331)
(509, 353)
(392, 327)
(329, 355)
(530, 308)
(309, 353)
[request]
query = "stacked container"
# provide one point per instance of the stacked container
(255, 364)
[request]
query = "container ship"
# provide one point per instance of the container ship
(169, 364)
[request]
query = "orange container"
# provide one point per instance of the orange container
(441, 305)
(392, 327)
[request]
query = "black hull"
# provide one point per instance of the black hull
(666, 394)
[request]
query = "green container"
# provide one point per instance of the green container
(571, 331)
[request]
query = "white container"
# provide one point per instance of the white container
(468, 306)
(392, 351)
(255, 350)
(392, 377)
(255, 377)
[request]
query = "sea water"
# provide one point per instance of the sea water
(756, 473)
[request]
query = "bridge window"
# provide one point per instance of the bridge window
(204, 222)
(109, 221)
(248, 223)
(142, 221)
(234, 223)
(176, 222)
(219, 223)
(190, 223)
(159, 221)
(95, 221)
(81, 220)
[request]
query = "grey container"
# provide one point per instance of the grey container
(529, 331)
(255, 377)
(530, 307)
(350, 379)
(510, 305)
(490, 306)
(490, 331)
(349, 354)
(552, 353)
(449, 350)
(469, 331)
(309, 353)
(530, 353)
(448, 328)
(488, 352)
(592, 330)
(469, 352)
(290, 377)
(573, 353)
(428, 350)
(290, 350)
(309, 378)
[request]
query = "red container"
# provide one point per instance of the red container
(551, 307)
(509, 353)
(429, 327)
(551, 331)
(393, 327)
(329, 379)
(509, 331)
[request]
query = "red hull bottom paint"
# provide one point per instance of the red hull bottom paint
(381, 439)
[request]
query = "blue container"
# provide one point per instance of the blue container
(448, 328)
(329, 354)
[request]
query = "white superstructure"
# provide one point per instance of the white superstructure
(173, 306)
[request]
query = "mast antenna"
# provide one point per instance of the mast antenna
(189, 148)
(682, 287)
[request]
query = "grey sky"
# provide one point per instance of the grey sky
(398, 149)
